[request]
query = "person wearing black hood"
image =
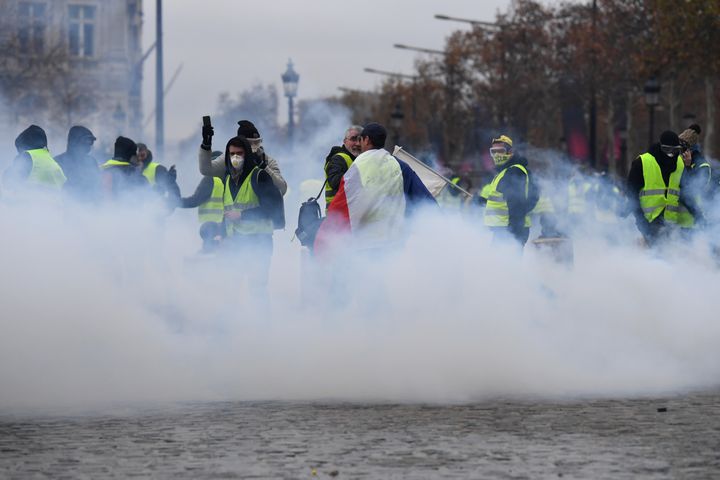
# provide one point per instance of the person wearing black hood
(339, 160)
(216, 167)
(512, 193)
(81, 169)
(253, 208)
(657, 189)
(123, 173)
(34, 166)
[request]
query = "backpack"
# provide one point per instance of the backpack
(309, 220)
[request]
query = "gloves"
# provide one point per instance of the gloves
(172, 175)
(261, 161)
(207, 134)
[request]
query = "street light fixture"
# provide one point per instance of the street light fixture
(652, 100)
(396, 121)
(290, 81)
(390, 74)
(466, 20)
(419, 49)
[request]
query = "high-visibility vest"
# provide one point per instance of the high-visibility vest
(657, 198)
(485, 191)
(543, 206)
(245, 199)
(329, 191)
(212, 210)
(577, 203)
(496, 211)
(149, 172)
(685, 218)
(114, 163)
(45, 170)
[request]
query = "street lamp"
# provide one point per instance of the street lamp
(290, 85)
(396, 121)
(652, 99)
(119, 116)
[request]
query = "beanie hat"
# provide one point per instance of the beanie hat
(247, 129)
(124, 148)
(690, 135)
(669, 138)
(31, 138)
(503, 139)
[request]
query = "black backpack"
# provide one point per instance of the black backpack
(309, 220)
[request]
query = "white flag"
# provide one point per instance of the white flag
(433, 181)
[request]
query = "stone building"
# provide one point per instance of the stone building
(67, 62)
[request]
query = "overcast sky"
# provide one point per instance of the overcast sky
(228, 45)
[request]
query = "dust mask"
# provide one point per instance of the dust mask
(237, 161)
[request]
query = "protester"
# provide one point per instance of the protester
(698, 172)
(80, 168)
(208, 199)
(122, 174)
(339, 160)
(33, 166)
(513, 194)
(656, 189)
(216, 168)
(375, 197)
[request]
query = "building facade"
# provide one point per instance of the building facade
(69, 62)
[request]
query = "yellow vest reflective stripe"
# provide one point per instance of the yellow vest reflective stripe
(212, 210)
(113, 163)
(655, 196)
(245, 199)
(149, 172)
(329, 191)
(45, 170)
(496, 211)
(576, 196)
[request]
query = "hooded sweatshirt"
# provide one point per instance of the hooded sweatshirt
(81, 169)
(520, 203)
(31, 138)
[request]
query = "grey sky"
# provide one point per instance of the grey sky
(227, 45)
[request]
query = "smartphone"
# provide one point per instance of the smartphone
(206, 121)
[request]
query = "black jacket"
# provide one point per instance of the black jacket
(335, 168)
(512, 186)
(636, 181)
(80, 168)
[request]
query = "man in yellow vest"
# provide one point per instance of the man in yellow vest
(122, 173)
(512, 194)
(339, 160)
(655, 189)
(34, 166)
(208, 199)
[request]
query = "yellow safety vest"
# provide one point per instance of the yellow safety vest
(577, 203)
(329, 191)
(496, 211)
(543, 206)
(655, 196)
(245, 199)
(149, 172)
(45, 170)
(212, 210)
(114, 163)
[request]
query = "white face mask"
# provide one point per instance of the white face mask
(237, 161)
(255, 144)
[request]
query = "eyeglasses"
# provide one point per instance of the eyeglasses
(354, 138)
(671, 149)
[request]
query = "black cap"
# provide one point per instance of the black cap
(124, 148)
(247, 129)
(669, 138)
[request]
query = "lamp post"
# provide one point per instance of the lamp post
(290, 81)
(652, 99)
(159, 84)
(119, 116)
(396, 121)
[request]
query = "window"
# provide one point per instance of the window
(32, 22)
(81, 31)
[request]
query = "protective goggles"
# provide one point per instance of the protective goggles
(498, 151)
(673, 150)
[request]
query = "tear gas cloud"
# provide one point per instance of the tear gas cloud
(111, 305)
